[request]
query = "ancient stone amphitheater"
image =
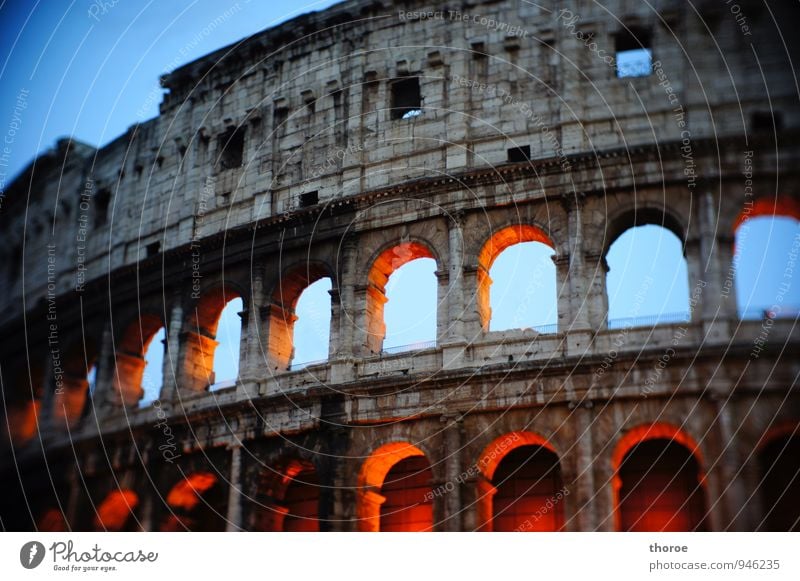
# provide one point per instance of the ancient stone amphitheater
(345, 143)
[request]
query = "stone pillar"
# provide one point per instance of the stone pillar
(254, 338)
(455, 291)
(581, 277)
(732, 492)
(582, 490)
(74, 483)
(471, 324)
(172, 350)
(349, 308)
(106, 399)
(453, 472)
(45, 415)
(711, 262)
(234, 516)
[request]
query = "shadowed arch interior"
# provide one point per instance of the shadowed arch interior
(659, 482)
(489, 463)
(69, 402)
(779, 484)
(373, 477)
(289, 497)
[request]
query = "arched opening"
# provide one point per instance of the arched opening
(529, 491)
(212, 341)
(648, 278)
(140, 362)
(283, 315)
(195, 504)
(520, 488)
(71, 393)
(51, 521)
(779, 464)
(659, 482)
(767, 238)
(23, 404)
(517, 257)
(410, 290)
(290, 498)
(408, 506)
(395, 491)
(312, 329)
(116, 512)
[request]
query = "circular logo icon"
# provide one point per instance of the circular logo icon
(31, 554)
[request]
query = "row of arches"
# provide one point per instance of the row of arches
(659, 485)
(515, 267)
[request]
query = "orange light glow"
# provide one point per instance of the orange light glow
(186, 494)
(371, 480)
(769, 206)
(660, 489)
(114, 512)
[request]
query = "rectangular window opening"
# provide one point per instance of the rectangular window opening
(517, 154)
(101, 203)
(406, 98)
(634, 54)
(766, 121)
(309, 199)
(230, 146)
(153, 248)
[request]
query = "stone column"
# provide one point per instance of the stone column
(455, 291)
(453, 472)
(732, 493)
(254, 344)
(172, 350)
(234, 516)
(343, 347)
(105, 400)
(582, 490)
(74, 496)
(712, 261)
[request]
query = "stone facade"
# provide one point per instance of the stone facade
(279, 160)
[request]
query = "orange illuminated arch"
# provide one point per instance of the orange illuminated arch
(291, 488)
(488, 461)
(765, 206)
(187, 493)
(387, 262)
(52, 521)
(499, 448)
(22, 411)
(130, 361)
(205, 316)
(645, 433)
(291, 285)
(116, 510)
(195, 504)
(497, 243)
(199, 342)
(69, 400)
(371, 478)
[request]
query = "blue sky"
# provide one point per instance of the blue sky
(90, 73)
(92, 76)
